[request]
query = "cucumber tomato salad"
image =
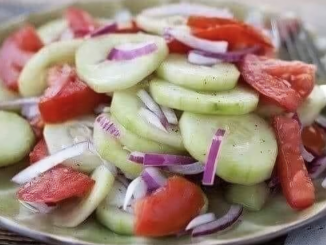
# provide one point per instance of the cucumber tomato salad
(134, 119)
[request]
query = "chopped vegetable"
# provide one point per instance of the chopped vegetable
(130, 51)
(200, 220)
(160, 160)
(39, 152)
(314, 139)
(153, 178)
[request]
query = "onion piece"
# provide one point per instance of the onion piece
(169, 115)
(9, 104)
(232, 56)
(307, 156)
(321, 121)
(198, 59)
(160, 160)
(130, 51)
(38, 207)
(49, 162)
(107, 125)
(137, 157)
(110, 28)
(188, 169)
(153, 178)
(30, 111)
(318, 167)
(137, 189)
(230, 218)
(187, 9)
(200, 220)
(212, 158)
(190, 40)
(152, 106)
(273, 182)
(152, 118)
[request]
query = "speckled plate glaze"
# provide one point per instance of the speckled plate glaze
(274, 220)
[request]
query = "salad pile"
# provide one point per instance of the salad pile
(135, 118)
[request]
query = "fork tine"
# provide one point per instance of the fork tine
(313, 53)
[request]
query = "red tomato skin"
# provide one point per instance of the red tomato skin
(15, 51)
(55, 185)
(239, 35)
(275, 88)
(39, 152)
(177, 47)
(133, 28)
(169, 209)
(80, 22)
(314, 139)
(296, 183)
(68, 98)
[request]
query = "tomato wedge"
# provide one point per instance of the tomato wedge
(39, 152)
(80, 22)
(297, 186)
(67, 97)
(314, 139)
(238, 34)
(55, 185)
(283, 82)
(16, 50)
(169, 209)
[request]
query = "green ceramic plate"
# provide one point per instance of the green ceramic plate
(274, 220)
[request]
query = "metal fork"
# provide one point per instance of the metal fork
(299, 45)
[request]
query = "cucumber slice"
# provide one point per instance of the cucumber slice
(252, 197)
(111, 150)
(16, 138)
(125, 108)
(105, 76)
(74, 214)
(32, 80)
(6, 94)
(60, 136)
(312, 106)
(115, 219)
(176, 69)
(248, 151)
(52, 30)
(240, 100)
(135, 142)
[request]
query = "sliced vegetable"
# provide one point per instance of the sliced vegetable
(74, 213)
(168, 210)
(159, 160)
(314, 139)
(16, 138)
(187, 169)
(137, 189)
(153, 178)
(176, 69)
(130, 51)
(7, 95)
(240, 100)
(212, 158)
(55, 185)
(170, 115)
(226, 221)
(200, 220)
(107, 125)
(39, 152)
(198, 59)
(318, 167)
(11, 104)
(251, 197)
(106, 29)
(68, 98)
(297, 186)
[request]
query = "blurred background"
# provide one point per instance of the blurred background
(312, 11)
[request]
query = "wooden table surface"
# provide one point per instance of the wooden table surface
(312, 11)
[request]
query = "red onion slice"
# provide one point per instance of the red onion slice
(9, 104)
(318, 167)
(152, 118)
(49, 162)
(152, 106)
(212, 158)
(153, 178)
(30, 111)
(107, 125)
(190, 40)
(232, 56)
(110, 28)
(230, 218)
(200, 220)
(102, 108)
(131, 51)
(188, 169)
(137, 157)
(321, 121)
(170, 115)
(160, 160)
(198, 59)
(137, 189)
(307, 156)
(274, 182)
(187, 9)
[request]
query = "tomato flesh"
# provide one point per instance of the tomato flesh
(55, 185)
(283, 82)
(314, 139)
(238, 34)
(296, 183)
(80, 22)
(39, 152)
(169, 209)
(16, 50)
(67, 97)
